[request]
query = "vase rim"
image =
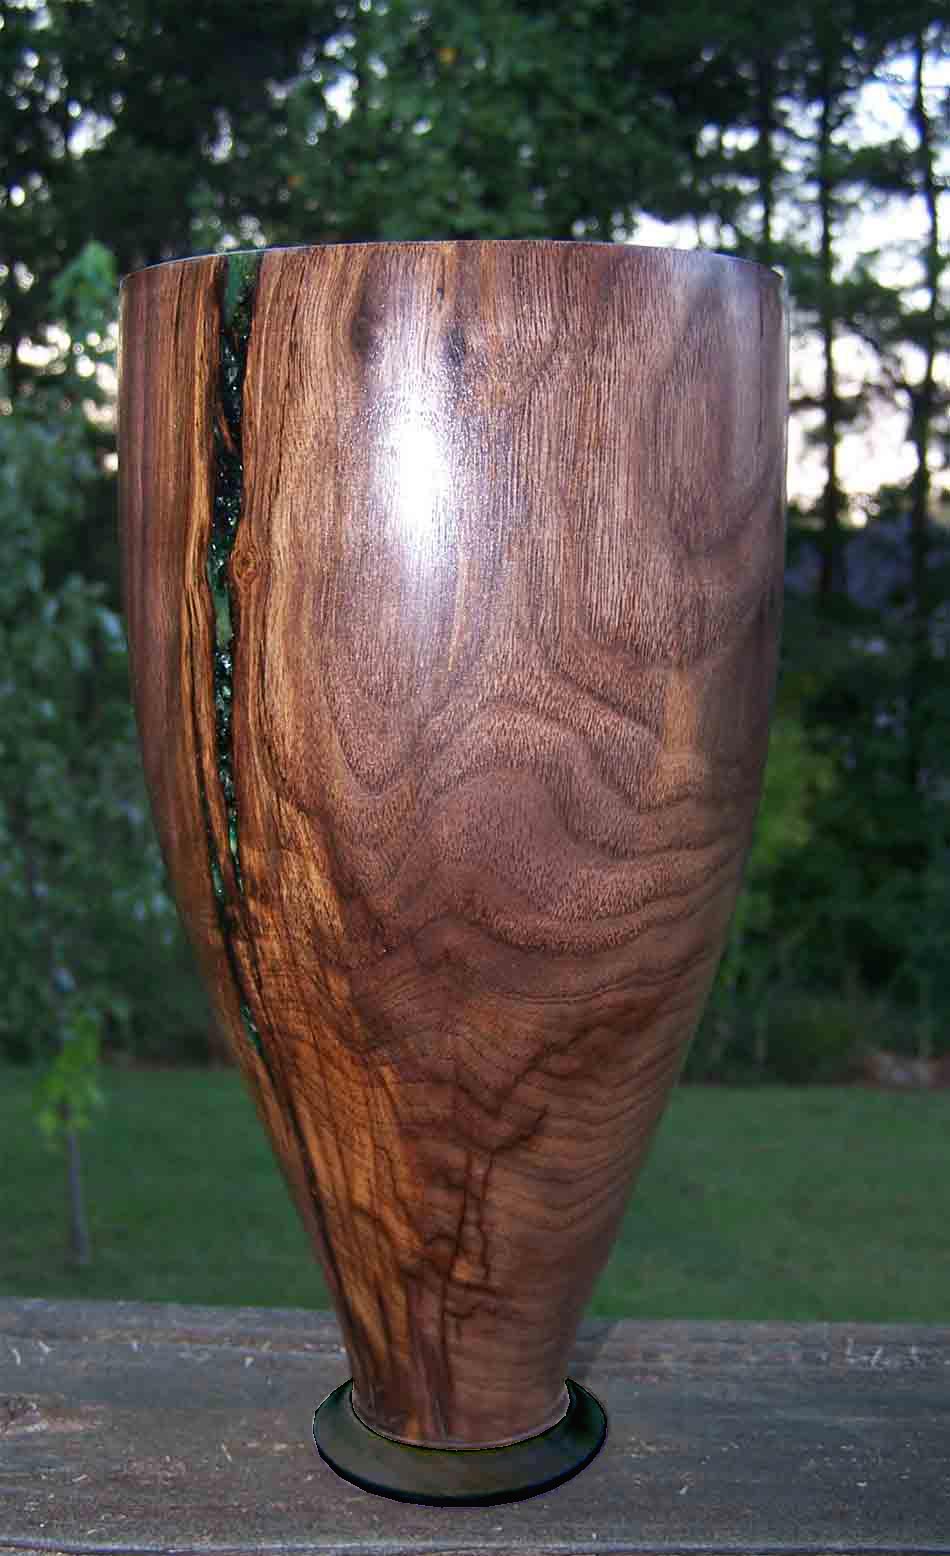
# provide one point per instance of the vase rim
(698, 254)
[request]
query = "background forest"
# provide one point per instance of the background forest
(133, 131)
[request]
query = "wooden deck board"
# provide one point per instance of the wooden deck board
(132, 1428)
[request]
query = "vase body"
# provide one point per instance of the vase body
(453, 579)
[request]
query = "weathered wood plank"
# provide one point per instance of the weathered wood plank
(151, 1428)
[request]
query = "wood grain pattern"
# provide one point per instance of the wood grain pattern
(498, 532)
(143, 1428)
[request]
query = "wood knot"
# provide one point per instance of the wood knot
(245, 562)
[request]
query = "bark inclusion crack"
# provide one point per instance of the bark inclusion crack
(236, 311)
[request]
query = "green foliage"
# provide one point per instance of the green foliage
(811, 1037)
(69, 1093)
(131, 134)
(497, 120)
(839, 937)
(83, 295)
(81, 878)
(893, 833)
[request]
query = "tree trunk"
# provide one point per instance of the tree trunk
(79, 1247)
(765, 113)
(923, 398)
(78, 1225)
(832, 579)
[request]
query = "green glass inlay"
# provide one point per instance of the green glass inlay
(237, 307)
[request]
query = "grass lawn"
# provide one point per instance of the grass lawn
(812, 1203)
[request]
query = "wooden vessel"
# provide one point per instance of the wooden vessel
(453, 581)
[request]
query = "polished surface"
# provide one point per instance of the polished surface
(453, 584)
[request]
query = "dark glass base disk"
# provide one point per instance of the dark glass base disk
(458, 1477)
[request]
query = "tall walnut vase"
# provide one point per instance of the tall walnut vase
(453, 584)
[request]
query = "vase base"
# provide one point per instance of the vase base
(458, 1477)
